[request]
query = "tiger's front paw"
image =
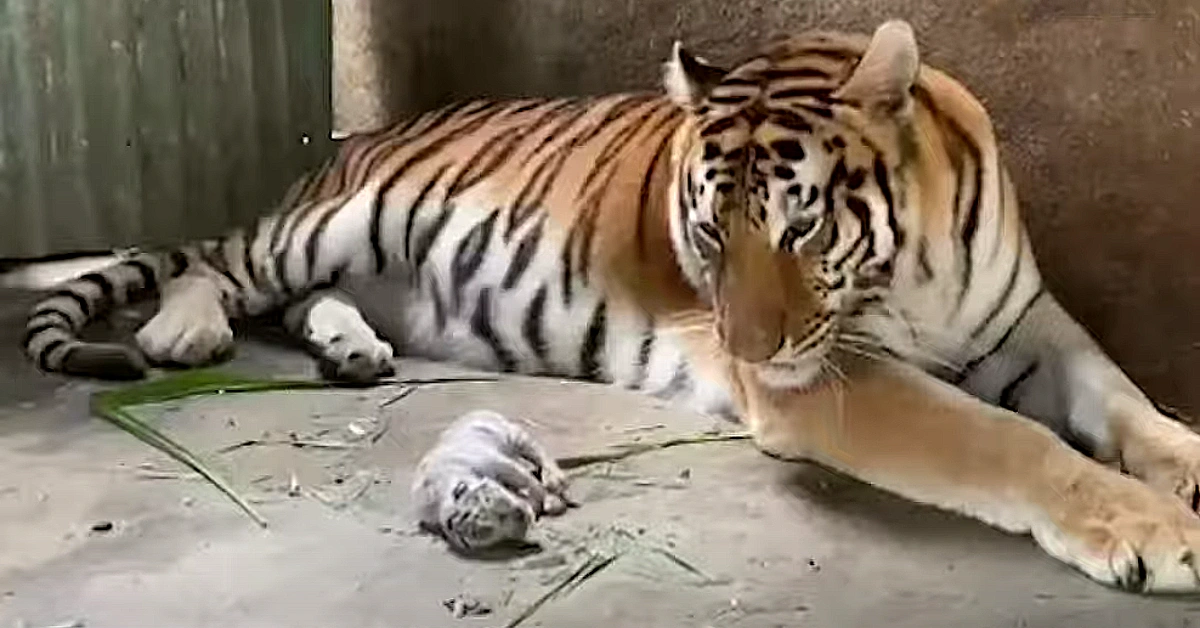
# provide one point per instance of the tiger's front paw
(359, 361)
(190, 329)
(1124, 534)
(346, 346)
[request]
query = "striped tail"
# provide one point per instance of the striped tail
(52, 332)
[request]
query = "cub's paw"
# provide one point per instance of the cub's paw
(1126, 535)
(188, 337)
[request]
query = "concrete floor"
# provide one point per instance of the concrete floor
(775, 544)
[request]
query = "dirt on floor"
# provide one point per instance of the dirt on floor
(99, 530)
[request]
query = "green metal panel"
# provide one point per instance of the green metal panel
(151, 121)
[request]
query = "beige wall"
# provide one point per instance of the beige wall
(1097, 104)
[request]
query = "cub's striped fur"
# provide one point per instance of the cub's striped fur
(829, 221)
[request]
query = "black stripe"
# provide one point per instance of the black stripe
(970, 224)
(587, 225)
(593, 343)
(79, 300)
(970, 366)
(789, 237)
(527, 202)
(923, 261)
(439, 306)
(798, 92)
(30, 332)
(1008, 399)
(727, 100)
(644, 195)
(1014, 274)
(478, 169)
(179, 263)
(427, 239)
(581, 108)
(833, 235)
(862, 212)
(524, 255)
(719, 126)
(790, 120)
(149, 280)
(312, 245)
(532, 325)
(533, 104)
(481, 326)
(524, 206)
(824, 112)
(420, 155)
(214, 255)
(885, 187)
(44, 354)
(247, 255)
(779, 74)
(643, 357)
(619, 141)
(415, 208)
(469, 255)
(104, 285)
(51, 311)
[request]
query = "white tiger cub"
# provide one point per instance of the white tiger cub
(485, 482)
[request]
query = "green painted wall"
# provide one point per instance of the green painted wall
(151, 121)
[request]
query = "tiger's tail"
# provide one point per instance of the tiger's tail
(52, 329)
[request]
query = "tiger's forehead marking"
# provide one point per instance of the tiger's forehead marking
(791, 86)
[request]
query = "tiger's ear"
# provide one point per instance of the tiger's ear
(689, 79)
(883, 80)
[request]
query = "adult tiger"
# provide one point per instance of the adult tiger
(822, 241)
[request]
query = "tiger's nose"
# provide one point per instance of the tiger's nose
(751, 342)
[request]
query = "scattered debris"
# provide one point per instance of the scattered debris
(594, 564)
(346, 492)
(77, 623)
(542, 562)
(686, 474)
(404, 392)
(812, 565)
(633, 449)
(683, 564)
(102, 526)
(410, 385)
(463, 605)
(644, 428)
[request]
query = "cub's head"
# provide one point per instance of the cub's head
(480, 513)
(789, 194)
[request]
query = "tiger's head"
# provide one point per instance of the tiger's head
(788, 190)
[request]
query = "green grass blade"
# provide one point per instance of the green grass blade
(114, 406)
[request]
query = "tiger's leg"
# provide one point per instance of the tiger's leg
(1054, 370)
(901, 429)
(191, 326)
(335, 332)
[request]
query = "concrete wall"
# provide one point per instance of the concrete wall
(1097, 104)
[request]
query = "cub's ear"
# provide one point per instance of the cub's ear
(689, 79)
(883, 80)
